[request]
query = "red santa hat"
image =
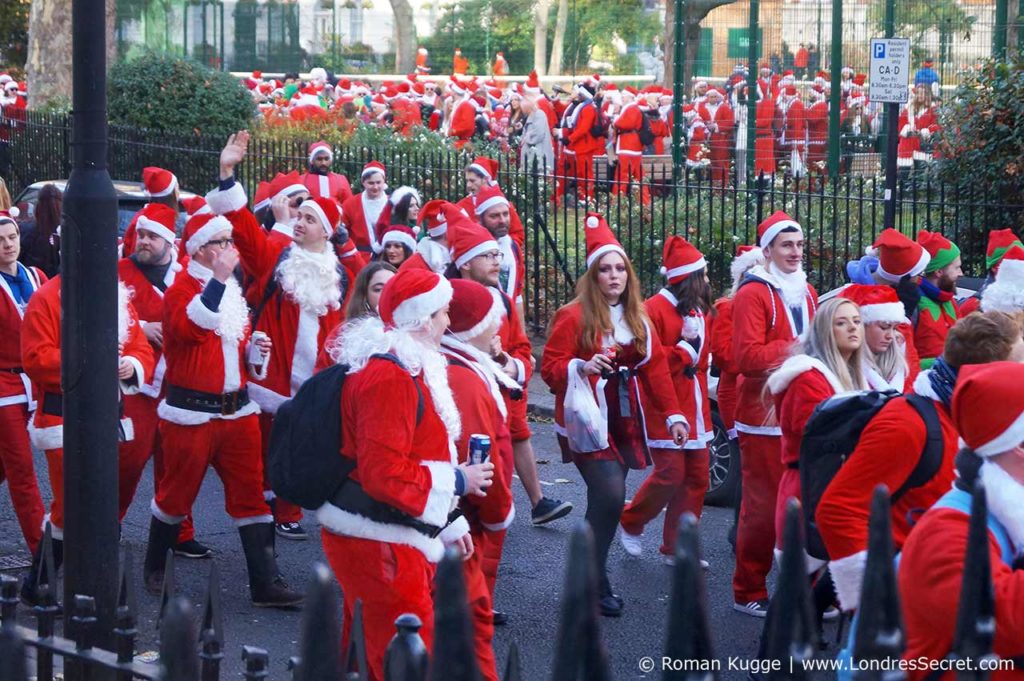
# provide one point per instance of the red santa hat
(468, 240)
(321, 146)
(898, 256)
(327, 210)
(9, 215)
(344, 85)
(999, 426)
(371, 168)
(434, 217)
(629, 89)
(159, 182)
(877, 303)
(411, 296)
(400, 234)
(1006, 293)
(488, 197)
(860, 79)
(419, 89)
(747, 256)
(487, 167)
(774, 225)
(286, 184)
(158, 219)
(474, 308)
(201, 228)
(195, 205)
(533, 83)
(600, 239)
(680, 259)
(999, 242)
(262, 197)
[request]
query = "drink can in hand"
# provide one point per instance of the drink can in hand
(479, 448)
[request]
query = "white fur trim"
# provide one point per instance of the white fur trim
(917, 269)
(291, 189)
(490, 203)
(55, 532)
(401, 193)
(438, 230)
(397, 236)
(254, 520)
(371, 171)
(442, 492)
(321, 215)
(883, 312)
(306, 349)
(796, 365)
(813, 564)
(458, 529)
(187, 417)
(166, 191)
(425, 304)
(205, 233)
(504, 524)
(776, 229)
(775, 431)
(318, 148)
(162, 515)
(227, 201)
(479, 249)
(742, 263)
(1003, 493)
(1006, 293)
(848, 577)
(676, 418)
(131, 388)
(601, 251)
(923, 386)
(688, 349)
(1007, 440)
(202, 316)
(351, 525)
(685, 269)
(284, 228)
(268, 400)
(50, 437)
(156, 228)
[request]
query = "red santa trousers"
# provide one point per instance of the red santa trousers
(284, 511)
(583, 170)
(232, 447)
(761, 468)
(491, 544)
(16, 467)
(789, 487)
(481, 607)
(141, 409)
(390, 580)
(679, 480)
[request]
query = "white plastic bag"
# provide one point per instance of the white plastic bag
(585, 427)
(796, 164)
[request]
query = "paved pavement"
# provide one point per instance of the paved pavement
(529, 585)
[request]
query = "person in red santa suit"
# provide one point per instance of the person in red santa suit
(580, 143)
(17, 402)
(40, 357)
(628, 148)
(918, 124)
(1000, 242)
(399, 244)
(402, 210)
(772, 307)
(680, 315)
(764, 140)
(477, 381)
(147, 272)
(297, 298)
(206, 415)
(432, 253)
(399, 421)
(483, 172)
(892, 444)
(793, 140)
(817, 130)
(988, 411)
(462, 123)
(161, 186)
(602, 344)
(361, 212)
(284, 194)
(887, 366)
(719, 119)
(697, 153)
(320, 180)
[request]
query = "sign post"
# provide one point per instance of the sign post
(890, 84)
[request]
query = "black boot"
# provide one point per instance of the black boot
(162, 536)
(609, 604)
(267, 588)
(34, 578)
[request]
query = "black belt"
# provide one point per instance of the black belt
(353, 498)
(13, 370)
(225, 404)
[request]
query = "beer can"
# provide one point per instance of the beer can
(257, 357)
(479, 448)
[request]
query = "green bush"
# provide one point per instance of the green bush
(168, 94)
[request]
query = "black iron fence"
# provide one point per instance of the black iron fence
(841, 216)
(790, 637)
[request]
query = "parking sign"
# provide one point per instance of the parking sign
(890, 70)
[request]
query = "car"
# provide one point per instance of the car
(723, 455)
(131, 197)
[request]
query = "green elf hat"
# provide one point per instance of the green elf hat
(942, 250)
(999, 242)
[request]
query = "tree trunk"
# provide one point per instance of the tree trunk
(558, 43)
(111, 29)
(405, 34)
(540, 37)
(693, 14)
(49, 51)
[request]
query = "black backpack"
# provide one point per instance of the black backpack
(600, 126)
(304, 462)
(832, 434)
(645, 132)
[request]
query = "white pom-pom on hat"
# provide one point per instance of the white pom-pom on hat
(871, 252)
(13, 211)
(592, 222)
(663, 271)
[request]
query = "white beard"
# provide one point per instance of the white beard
(436, 256)
(1005, 501)
(124, 318)
(793, 287)
(311, 280)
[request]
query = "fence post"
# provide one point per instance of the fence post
(319, 656)
(580, 649)
(211, 635)
(753, 49)
(257, 661)
(177, 642)
(976, 615)
(678, 92)
(13, 661)
(689, 637)
(125, 631)
(406, 656)
(999, 31)
(836, 67)
(8, 600)
(355, 652)
(512, 666)
(454, 659)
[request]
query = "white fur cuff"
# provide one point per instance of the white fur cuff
(223, 202)
(504, 524)
(51, 437)
(442, 493)
(202, 316)
(457, 530)
(848, 576)
(130, 387)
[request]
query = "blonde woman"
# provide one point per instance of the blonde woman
(882, 313)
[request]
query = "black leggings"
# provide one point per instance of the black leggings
(606, 496)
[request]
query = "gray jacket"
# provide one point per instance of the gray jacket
(535, 143)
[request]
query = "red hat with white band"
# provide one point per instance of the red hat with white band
(898, 256)
(159, 182)
(487, 167)
(400, 234)
(201, 229)
(326, 210)
(680, 259)
(371, 168)
(773, 225)
(999, 426)
(473, 309)
(600, 239)
(488, 197)
(468, 240)
(878, 304)
(411, 296)
(318, 147)
(158, 219)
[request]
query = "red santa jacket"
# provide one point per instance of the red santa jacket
(15, 386)
(331, 185)
(40, 357)
(359, 215)
(298, 334)
(682, 355)
(628, 125)
(930, 580)
(719, 122)
(205, 350)
(915, 126)
(763, 333)
(351, 259)
(888, 450)
(514, 340)
(148, 301)
(463, 123)
(794, 126)
(406, 464)
(817, 126)
(720, 343)
(697, 137)
(563, 353)
(578, 137)
(515, 227)
(934, 320)
(798, 386)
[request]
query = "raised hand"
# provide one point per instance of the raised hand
(233, 153)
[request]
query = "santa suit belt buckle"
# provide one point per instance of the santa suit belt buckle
(231, 403)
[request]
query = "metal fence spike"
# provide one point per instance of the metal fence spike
(167, 589)
(13, 661)
(125, 630)
(320, 645)
(689, 636)
(177, 641)
(580, 649)
(406, 657)
(212, 620)
(791, 632)
(257, 663)
(47, 579)
(880, 623)
(353, 662)
(8, 599)
(976, 621)
(454, 658)
(512, 666)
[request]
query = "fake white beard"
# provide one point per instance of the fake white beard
(311, 279)
(1005, 500)
(124, 319)
(495, 375)
(793, 287)
(361, 338)
(436, 256)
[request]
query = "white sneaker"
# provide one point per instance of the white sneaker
(630, 542)
(831, 614)
(671, 561)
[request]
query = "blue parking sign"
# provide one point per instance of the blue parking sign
(879, 50)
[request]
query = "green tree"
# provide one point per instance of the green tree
(917, 19)
(14, 32)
